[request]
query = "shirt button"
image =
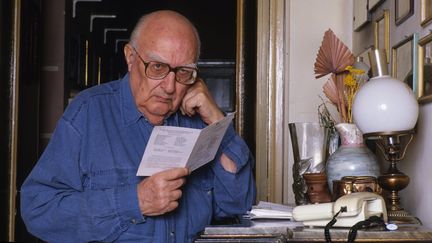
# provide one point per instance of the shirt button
(133, 221)
(172, 233)
(209, 192)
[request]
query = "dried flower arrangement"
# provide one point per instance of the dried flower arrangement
(335, 58)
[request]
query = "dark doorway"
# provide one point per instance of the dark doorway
(5, 103)
(96, 33)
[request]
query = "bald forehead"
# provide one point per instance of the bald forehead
(165, 17)
(164, 22)
(166, 25)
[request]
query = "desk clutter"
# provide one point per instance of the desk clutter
(347, 211)
(357, 216)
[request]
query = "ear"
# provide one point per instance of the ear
(129, 57)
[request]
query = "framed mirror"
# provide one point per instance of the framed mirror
(426, 12)
(382, 32)
(403, 10)
(404, 66)
(425, 69)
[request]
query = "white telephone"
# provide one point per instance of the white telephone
(357, 206)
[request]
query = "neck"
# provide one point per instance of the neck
(155, 120)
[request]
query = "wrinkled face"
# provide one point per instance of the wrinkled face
(173, 44)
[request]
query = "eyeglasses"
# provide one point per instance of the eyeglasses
(159, 70)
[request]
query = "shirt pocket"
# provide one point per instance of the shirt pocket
(112, 178)
(104, 207)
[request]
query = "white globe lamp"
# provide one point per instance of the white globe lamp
(386, 110)
(384, 104)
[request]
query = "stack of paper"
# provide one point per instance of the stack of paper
(268, 210)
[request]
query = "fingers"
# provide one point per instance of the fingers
(198, 99)
(171, 206)
(194, 97)
(173, 173)
(182, 110)
(175, 195)
(159, 194)
(170, 185)
(191, 103)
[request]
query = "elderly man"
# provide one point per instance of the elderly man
(84, 187)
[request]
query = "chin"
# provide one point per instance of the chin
(161, 111)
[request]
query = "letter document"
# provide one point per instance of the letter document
(170, 147)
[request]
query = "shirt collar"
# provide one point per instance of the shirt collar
(129, 110)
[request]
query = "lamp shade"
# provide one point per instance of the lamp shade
(385, 104)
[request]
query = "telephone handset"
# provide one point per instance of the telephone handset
(353, 207)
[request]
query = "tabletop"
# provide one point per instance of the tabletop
(295, 232)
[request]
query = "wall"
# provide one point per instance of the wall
(417, 161)
(415, 198)
(308, 20)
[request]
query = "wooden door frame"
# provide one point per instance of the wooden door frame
(271, 128)
(13, 126)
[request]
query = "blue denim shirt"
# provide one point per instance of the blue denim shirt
(83, 187)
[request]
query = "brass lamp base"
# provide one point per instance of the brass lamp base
(402, 217)
(393, 145)
(395, 182)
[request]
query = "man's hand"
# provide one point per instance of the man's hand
(198, 99)
(159, 193)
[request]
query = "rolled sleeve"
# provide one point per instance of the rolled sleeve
(236, 149)
(234, 192)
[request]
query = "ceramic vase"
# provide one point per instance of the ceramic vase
(310, 151)
(352, 158)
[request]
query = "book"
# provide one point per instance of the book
(170, 147)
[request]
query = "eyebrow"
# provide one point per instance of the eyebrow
(156, 58)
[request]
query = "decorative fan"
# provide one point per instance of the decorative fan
(330, 91)
(334, 91)
(333, 56)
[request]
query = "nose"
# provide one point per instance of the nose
(168, 83)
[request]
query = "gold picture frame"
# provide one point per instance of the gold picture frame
(426, 12)
(425, 69)
(361, 14)
(404, 61)
(382, 33)
(403, 10)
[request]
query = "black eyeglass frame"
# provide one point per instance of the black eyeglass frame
(190, 81)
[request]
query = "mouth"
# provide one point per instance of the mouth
(163, 99)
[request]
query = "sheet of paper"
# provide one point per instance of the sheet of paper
(170, 147)
(268, 210)
(208, 143)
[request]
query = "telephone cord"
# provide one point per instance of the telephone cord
(331, 223)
